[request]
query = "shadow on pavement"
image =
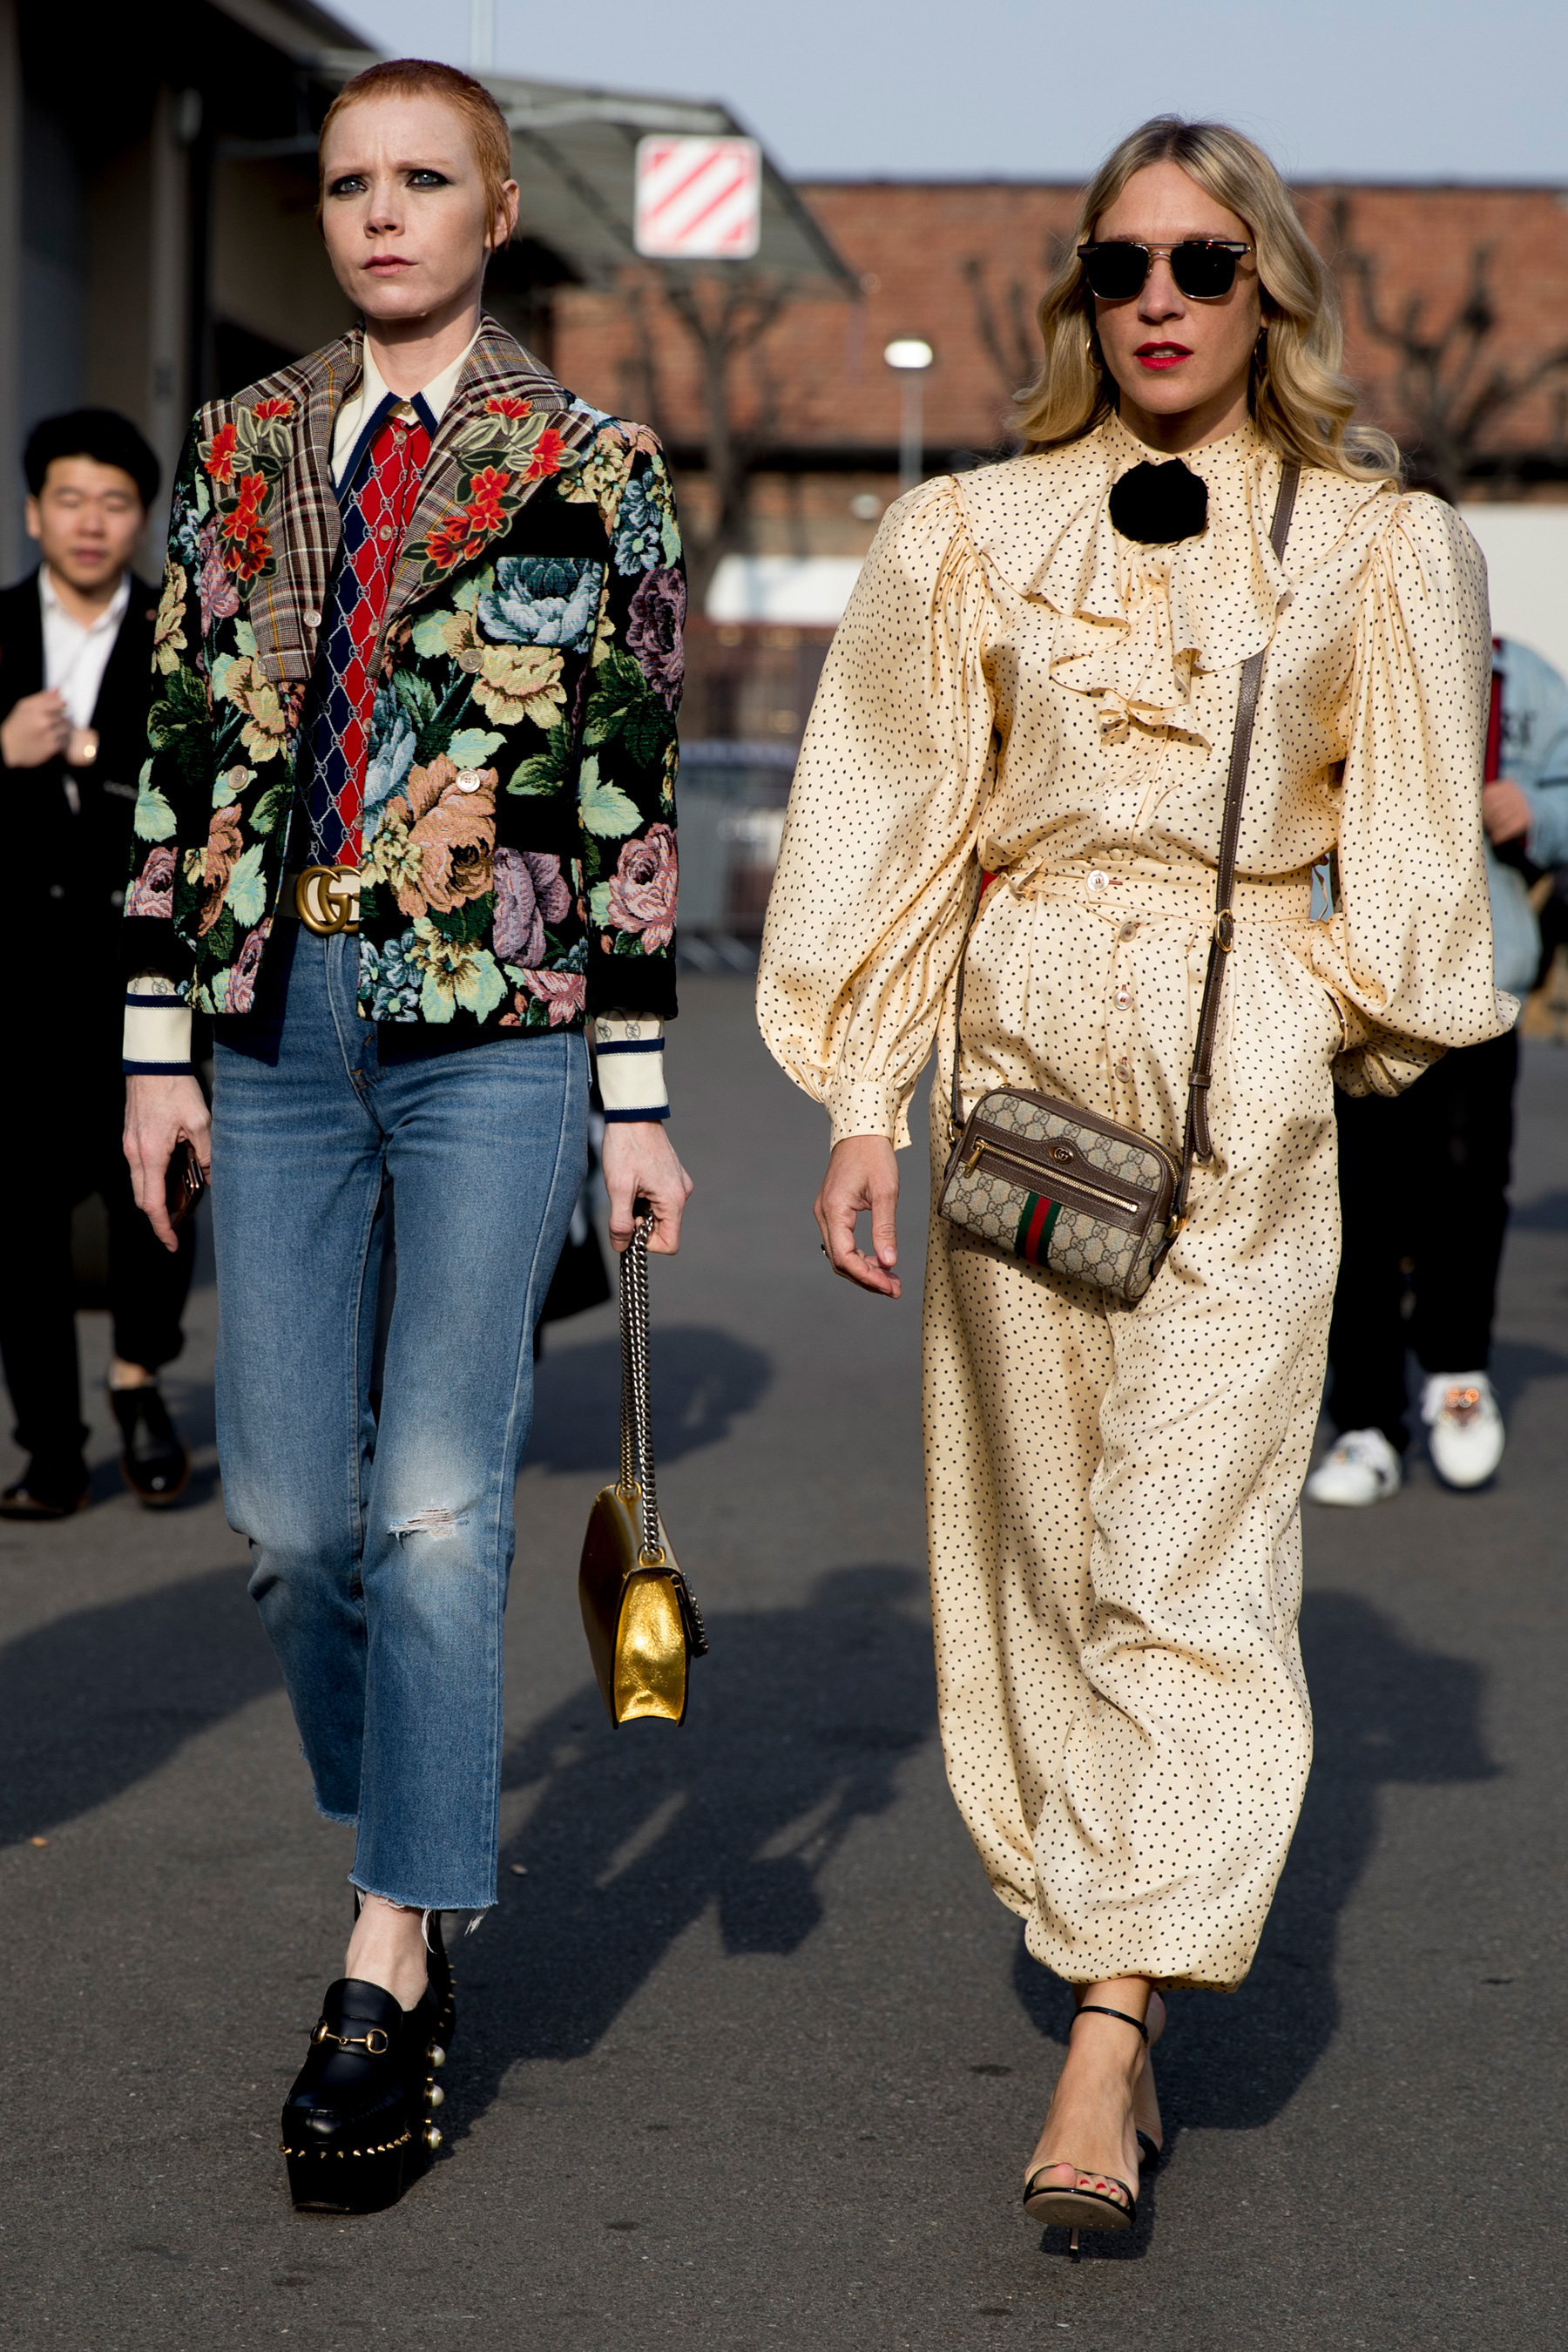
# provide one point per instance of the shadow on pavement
(703, 1381)
(1546, 1214)
(1385, 1712)
(1516, 1363)
(95, 1702)
(799, 1718)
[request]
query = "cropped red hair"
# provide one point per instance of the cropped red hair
(423, 78)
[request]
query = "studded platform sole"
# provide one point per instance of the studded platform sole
(358, 2124)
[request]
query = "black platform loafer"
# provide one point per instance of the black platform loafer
(48, 1489)
(155, 1462)
(359, 2126)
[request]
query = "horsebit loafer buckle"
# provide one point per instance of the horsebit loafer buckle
(376, 2043)
(326, 899)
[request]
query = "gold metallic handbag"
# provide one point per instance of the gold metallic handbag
(643, 1626)
(1083, 1196)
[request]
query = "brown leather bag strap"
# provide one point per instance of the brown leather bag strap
(1196, 1143)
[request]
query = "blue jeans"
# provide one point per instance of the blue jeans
(382, 1543)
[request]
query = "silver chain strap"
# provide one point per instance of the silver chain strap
(637, 1475)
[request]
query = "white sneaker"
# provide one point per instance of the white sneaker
(1464, 1432)
(1362, 1468)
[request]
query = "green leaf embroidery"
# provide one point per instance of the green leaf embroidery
(547, 769)
(430, 638)
(417, 694)
(246, 892)
(154, 818)
(268, 813)
(183, 705)
(599, 905)
(471, 747)
(603, 807)
(623, 704)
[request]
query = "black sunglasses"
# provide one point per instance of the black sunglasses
(1203, 268)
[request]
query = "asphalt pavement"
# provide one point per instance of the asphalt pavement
(748, 2055)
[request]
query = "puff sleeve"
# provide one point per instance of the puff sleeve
(1408, 954)
(877, 877)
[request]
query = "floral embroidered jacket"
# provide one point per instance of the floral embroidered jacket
(518, 865)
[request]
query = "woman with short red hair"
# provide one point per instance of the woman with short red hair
(406, 829)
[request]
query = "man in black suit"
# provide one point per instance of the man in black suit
(76, 673)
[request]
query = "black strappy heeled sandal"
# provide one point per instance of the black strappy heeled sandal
(1078, 2208)
(358, 2124)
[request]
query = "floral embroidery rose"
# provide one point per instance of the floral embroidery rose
(242, 980)
(152, 892)
(550, 600)
(510, 682)
(639, 530)
(223, 847)
(643, 888)
(219, 460)
(564, 994)
(433, 846)
(168, 637)
(530, 891)
(239, 679)
(654, 625)
(219, 596)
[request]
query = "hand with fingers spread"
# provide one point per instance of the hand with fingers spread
(639, 1162)
(863, 1173)
(162, 1113)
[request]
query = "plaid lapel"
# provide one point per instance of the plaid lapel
(285, 611)
(497, 368)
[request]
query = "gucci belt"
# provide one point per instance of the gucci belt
(324, 897)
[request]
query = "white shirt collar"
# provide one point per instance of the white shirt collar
(373, 390)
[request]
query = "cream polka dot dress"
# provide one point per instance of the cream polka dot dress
(1112, 1491)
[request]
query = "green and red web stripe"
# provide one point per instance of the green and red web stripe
(1035, 1226)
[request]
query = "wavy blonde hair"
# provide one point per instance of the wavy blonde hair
(1300, 399)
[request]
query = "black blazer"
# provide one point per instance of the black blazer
(67, 871)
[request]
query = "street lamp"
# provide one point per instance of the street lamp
(911, 358)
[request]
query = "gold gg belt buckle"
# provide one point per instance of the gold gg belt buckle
(326, 899)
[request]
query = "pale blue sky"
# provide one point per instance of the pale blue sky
(911, 88)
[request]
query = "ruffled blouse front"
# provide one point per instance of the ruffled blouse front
(1017, 686)
(1142, 627)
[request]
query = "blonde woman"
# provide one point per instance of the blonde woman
(1036, 687)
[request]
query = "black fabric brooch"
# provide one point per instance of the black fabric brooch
(1157, 505)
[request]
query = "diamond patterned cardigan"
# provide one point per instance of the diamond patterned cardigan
(518, 862)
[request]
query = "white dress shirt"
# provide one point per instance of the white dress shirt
(76, 657)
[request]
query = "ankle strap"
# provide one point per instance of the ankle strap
(1093, 2009)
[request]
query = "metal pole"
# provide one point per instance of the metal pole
(911, 440)
(481, 36)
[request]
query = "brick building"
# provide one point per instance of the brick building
(1456, 304)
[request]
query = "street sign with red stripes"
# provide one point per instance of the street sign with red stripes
(698, 199)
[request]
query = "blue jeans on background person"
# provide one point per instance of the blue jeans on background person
(383, 1545)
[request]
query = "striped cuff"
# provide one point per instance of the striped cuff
(628, 1048)
(157, 1037)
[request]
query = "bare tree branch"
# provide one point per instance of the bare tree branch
(1451, 385)
(725, 323)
